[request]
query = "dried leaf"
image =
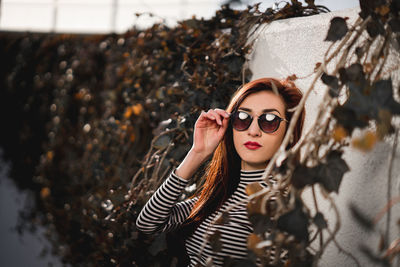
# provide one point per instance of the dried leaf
(162, 142)
(355, 72)
(295, 222)
(375, 28)
(253, 188)
(261, 223)
(317, 65)
(252, 242)
(223, 218)
(382, 97)
(339, 133)
(45, 192)
(137, 109)
(128, 112)
(366, 142)
(215, 241)
(348, 118)
(394, 24)
(331, 173)
(320, 221)
(256, 205)
(292, 77)
(337, 29)
(303, 176)
(384, 125)
(382, 10)
(332, 82)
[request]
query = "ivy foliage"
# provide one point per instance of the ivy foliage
(89, 111)
(99, 121)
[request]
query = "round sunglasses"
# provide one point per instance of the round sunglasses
(267, 122)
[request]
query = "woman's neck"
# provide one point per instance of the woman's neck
(246, 166)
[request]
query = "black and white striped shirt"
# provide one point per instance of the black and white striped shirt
(163, 212)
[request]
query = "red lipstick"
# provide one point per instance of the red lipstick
(252, 145)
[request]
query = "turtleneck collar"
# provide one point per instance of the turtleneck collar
(251, 176)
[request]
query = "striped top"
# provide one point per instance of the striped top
(211, 243)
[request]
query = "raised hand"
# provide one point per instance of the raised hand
(209, 130)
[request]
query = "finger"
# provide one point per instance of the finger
(216, 115)
(210, 116)
(202, 115)
(222, 112)
(224, 126)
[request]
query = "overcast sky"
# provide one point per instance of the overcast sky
(102, 16)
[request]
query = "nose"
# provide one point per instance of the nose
(253, 129)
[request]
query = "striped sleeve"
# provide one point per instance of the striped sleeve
(163, 212)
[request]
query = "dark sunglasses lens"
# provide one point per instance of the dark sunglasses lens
(241, 121)
(269, 122)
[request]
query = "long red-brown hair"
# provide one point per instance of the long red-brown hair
(223, 171)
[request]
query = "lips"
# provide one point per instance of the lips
(252, 145)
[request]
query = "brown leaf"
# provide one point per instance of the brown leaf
(384, 125)
(365, 143)
(382, 10)
(253, 188)
(45, 192)
(252, 242)
(339, 133)
(137, 109)
(317, 65)
(255, 206)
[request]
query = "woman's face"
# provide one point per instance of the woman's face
(255, 155)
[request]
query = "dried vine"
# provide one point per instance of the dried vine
(358, 71)
(103, 119)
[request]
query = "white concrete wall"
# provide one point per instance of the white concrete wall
(294, 46)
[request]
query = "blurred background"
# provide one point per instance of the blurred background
(87, 16)
(105, 16)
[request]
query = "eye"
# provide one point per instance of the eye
(243, 115)
(270, 117)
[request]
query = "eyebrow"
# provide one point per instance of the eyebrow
(264, 110)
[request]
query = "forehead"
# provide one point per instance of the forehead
(259, 101)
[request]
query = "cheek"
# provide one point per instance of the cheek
(275, 141)
(236, 140)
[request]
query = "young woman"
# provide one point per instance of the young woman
(242, 139)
